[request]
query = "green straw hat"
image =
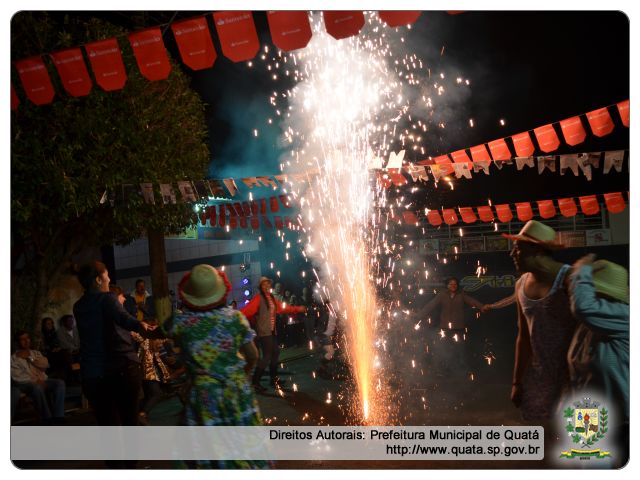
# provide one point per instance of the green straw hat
(611, 279)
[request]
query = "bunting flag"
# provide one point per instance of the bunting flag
(222, 216)
(485, 213)
(569, 162)
(150, 54)
(73, 72)
(546, 208)
(467, 214)
(623, 110)
(417, 172)
(238, 36)
(462, 170)
(290, 30)
(613, 159)
(521, 162)
(410, 218)
(107, 65)
(589, 205)
(482, 165)
(547, 138)
(399, 18)
(343, 24)
(147, 193)
(231, 186)
(35, 80)
(212, 215)
(614, 201)
(194, 43)
(499, 150)
(284, 199)
(600, 122)
(266, 222)
(449, 216)
(568, 207)
(524, 211)
(434, 218)
(187, 191)
(548, 162)
(504, 213)
(168, 193)
(15, 101)
(523, 144)
(573, 131)
(444, 163)
(216, 188)
(273, 202)
(461, 156)
(479, 154)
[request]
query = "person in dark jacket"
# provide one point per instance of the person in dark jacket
(110, 366)
(452, 326)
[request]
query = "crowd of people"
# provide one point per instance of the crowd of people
(573, 337)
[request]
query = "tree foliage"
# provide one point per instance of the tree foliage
(65, 155)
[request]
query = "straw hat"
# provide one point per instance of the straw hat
(537, 233)
(204, 288)
(611, 279)
(264, 279)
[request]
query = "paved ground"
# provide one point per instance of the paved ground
(449, 400)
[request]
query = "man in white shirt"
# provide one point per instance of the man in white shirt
(28, 375)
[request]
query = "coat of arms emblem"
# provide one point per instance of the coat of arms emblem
(587, 423)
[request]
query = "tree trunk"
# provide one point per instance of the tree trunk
(159, 279)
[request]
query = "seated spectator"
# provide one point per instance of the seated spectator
(69, 341)
(50, 346)
(140, 295)
(28, 376)
(68, 337)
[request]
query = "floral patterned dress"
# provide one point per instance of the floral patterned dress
(220, 392)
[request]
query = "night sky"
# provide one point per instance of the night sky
(528, 68)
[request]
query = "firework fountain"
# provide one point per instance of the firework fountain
(346, 112)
